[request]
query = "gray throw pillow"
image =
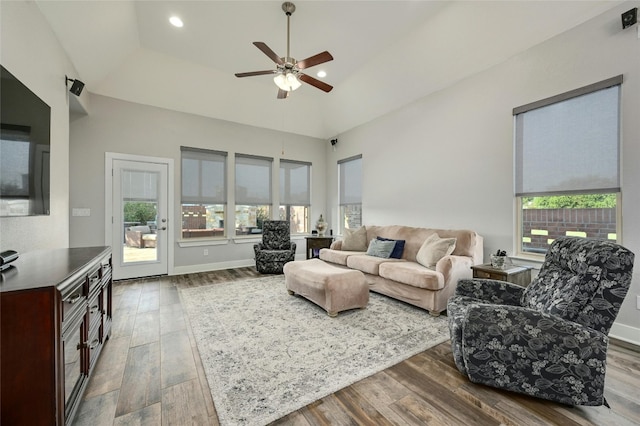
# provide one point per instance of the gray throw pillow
(355, 240)
(379, 248)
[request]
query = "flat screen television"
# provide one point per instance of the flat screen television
(25, 147)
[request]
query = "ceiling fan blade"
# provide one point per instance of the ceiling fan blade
(320, 58)
(315, 82)
(252, 73)
(267, 51)
(282, 94)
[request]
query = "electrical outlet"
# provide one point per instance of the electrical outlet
(206, 252)
(80, 212)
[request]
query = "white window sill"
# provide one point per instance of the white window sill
(248, 240)
(203, 242)
(523, 260)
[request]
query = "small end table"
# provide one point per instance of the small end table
(314, 244)
(516, 274)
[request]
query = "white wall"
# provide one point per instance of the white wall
(128, 128)
(443, 161)
(446, 161)
(31, 52)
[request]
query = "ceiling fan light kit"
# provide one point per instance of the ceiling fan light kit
(287, 81)
(288, 76)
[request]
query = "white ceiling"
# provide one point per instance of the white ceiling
(386, 53)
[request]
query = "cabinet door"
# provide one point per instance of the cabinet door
(108, 309)
(74, 373)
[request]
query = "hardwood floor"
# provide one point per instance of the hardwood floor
(150, 373)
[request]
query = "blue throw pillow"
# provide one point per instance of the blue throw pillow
(397, 249)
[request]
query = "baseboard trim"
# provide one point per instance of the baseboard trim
(625, 333)
(205, 267)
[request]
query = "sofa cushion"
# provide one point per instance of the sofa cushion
(337, 256)
(468, 243)
(413, 274)
(355, 239)
(433, 249)
(397, 249)
(379, 248)
(369, 264)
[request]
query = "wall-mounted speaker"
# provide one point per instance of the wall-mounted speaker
(334, 142)
(76, 85)
(630, 18)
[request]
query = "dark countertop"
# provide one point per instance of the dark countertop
(45, 268)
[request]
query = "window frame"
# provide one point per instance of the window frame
(287, 202)
(518, 197)
(247, 202)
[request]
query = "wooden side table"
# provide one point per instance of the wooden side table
(520, 275)
(314, 244)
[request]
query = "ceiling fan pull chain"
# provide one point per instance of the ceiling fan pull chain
(288, 36)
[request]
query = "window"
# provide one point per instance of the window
(295, 194)
(140, 198)
(567, 166)
(253, 193)
(204, 194)
(350, 181)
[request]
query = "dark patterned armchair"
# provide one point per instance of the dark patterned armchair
(548, 340)
(276, 247)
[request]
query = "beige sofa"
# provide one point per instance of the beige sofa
(405, 279)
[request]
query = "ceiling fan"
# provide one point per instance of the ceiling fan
(287, 73)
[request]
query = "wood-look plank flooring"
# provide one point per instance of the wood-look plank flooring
(150, 373)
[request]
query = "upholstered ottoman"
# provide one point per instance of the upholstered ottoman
(332, 287)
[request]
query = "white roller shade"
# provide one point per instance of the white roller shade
(139, 185)
(351, 180)
(569, 146)
(203, 176)
(253, 180)
(295, 181)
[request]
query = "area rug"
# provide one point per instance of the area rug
(266, 353)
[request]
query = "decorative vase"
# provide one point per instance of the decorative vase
(321, 226)
(498, 261)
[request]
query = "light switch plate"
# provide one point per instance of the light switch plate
(80, 212)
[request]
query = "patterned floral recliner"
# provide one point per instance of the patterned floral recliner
(276, 247)
(550, 339)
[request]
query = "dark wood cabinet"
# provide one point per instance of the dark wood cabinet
(55, 315)
(314, 244)
(520, 275)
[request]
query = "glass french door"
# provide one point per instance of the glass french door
(140, 221)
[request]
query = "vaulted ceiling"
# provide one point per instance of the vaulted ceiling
(386, 53)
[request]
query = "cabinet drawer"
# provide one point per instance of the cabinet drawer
(73, 305)
(95, 278)
(95, 312)
(106, 269)
(94, 345)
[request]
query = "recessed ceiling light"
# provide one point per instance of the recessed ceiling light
(176, 22)
(321, 74)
